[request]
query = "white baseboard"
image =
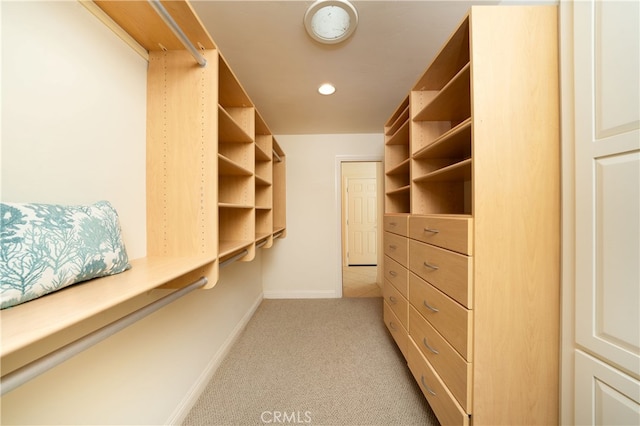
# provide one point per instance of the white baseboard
(181, 412)
(323, 294)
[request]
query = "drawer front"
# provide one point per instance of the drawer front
(448, 271)
(396, 247)
(396, 223)
(397, 302)
(450, 233)
(398, 332)
(443, 403)
(454, 371)
(398, 275)
(453, 321)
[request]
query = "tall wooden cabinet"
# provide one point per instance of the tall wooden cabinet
(472, 169)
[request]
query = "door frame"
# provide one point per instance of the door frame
(338, 198)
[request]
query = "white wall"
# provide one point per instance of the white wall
(73, 131)
(307, 262)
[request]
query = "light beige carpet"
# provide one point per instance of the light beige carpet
(316, 362)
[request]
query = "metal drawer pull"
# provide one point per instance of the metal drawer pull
(433, 231)
(424, 341)
(393, 300)
(426, 386)
(429, 307)
(393, 273)
(428, 265)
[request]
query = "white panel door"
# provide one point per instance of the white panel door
(362, 212)
(607, 162)
(604, 395)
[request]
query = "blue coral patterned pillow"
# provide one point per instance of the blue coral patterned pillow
(46, 247)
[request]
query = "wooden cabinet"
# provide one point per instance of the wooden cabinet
(396, 283)
(483, 218)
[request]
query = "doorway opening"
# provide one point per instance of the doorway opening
(361, 211)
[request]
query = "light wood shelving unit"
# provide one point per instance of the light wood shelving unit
(264, 183)
(213, 186)
(397, 160)
(279, 191)
(473, 191)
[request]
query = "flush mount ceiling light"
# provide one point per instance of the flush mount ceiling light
(327, 89)
(331, 21)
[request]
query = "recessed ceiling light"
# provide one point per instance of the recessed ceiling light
(327, 89)
(330, 21)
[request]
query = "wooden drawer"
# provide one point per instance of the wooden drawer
(448, 271)
(396, 247)
(452, 320)
(453, 233)
(454, 371)
(398, 275)
(398, 332)
(397, 223)
(397, 302)
(443, 403)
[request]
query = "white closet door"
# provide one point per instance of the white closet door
(604, 395)
(607, 150)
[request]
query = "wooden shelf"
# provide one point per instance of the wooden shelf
(452, 103)
(230, 91)
(229, 130)
(453, 56)
(235, 206)
(140, 21)
(231, 168)
(400, 115)
(397, 191)
(228, 247)
(400, 169)
(456, 143)
(401, 136)
(260, 181)
(398, 126)
(30, 322)
(460, 171)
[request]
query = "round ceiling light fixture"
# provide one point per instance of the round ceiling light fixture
(331, 21)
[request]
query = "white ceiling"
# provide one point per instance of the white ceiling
(281, 67)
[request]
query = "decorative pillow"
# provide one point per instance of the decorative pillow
(45, 247)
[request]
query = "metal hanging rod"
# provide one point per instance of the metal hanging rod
(233, 258)
(275, 154)
(175, 28)
(22, 375)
